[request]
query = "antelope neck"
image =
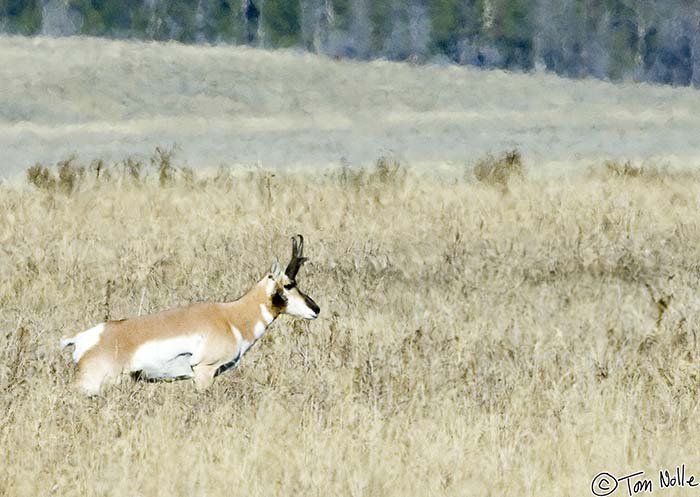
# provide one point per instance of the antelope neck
(253, 313)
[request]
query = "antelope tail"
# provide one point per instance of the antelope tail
(67, 342)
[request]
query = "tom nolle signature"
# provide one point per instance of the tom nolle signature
(605, 483)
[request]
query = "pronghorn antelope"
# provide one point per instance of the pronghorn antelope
(197, 341)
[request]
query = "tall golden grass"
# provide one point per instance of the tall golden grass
(473, 340)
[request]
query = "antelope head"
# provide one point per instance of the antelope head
(286, 296)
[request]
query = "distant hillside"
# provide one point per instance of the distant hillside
(651, 40)
(229, 105)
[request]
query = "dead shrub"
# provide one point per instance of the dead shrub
(499, 171)
(349, 176)
(188, 176)
(101, 171)
(223, 178)
(388, 171)
(70, 175)
(133, 169)
(41, 177)
(616, 169)
(67, 178)
(162, 162)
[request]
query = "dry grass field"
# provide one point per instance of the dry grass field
(488, 327)
(487, 336)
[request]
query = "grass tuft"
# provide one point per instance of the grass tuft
(162, 162)
(388, 171)
(41, 177)
(500, 171)
(70, 175)
(626, 169)
(134, 170)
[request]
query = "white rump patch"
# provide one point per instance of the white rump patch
(84, 341)
(169, 358)
(270, 286)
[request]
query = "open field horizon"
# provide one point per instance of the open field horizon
(98, 98)
(473, 340)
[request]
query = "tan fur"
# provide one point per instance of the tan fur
(112, 354)
(192, 341)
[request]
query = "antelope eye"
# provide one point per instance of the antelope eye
(289, 286)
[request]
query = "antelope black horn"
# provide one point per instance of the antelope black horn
(297, 257)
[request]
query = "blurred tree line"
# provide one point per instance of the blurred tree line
(645, 40)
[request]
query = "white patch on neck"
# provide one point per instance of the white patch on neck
(243, 344)
(270, 286)
(237, 334)
(266, 314)
(259, 329)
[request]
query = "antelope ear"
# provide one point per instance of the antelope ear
(276, 269)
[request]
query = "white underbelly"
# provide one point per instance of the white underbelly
(170, 358)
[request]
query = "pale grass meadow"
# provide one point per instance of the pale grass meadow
(235, 105)
(475, 338)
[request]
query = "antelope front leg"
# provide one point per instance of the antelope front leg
(203, 376)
